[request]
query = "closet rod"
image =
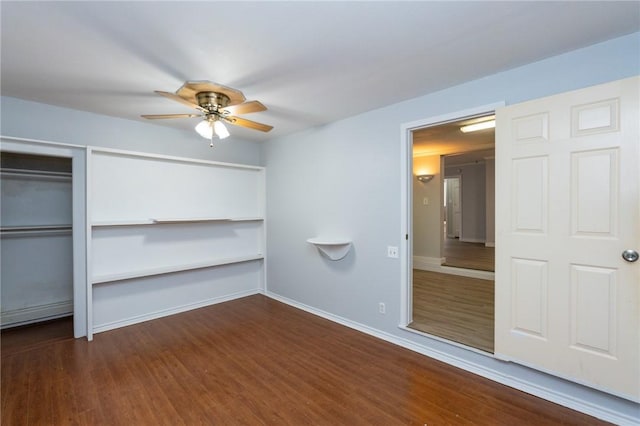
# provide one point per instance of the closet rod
(35, 173)
(33, 231)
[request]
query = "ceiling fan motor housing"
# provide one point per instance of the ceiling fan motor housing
(212, 101)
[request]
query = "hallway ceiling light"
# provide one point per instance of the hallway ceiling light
(483, 125)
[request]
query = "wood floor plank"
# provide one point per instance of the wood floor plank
(454, 307)
(251, 361)
(460, 254)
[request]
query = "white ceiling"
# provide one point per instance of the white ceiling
(310, 63)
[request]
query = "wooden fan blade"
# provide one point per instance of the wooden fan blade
(177, 98)
(246, 108)
(248, 123)
(157, 116)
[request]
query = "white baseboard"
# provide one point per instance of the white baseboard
(175, 310)
(433, 264)
(472, 240)
(601, 411)
(490, 244)
(38, 313)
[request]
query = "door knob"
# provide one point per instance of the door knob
(630, 255)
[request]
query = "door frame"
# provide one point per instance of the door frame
(406, 199)
(79, 223)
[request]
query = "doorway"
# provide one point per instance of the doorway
(448, 298)
(469, 198)
(36, 231)
(452, 207)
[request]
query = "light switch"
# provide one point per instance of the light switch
(425, 201)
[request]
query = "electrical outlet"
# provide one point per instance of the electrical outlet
(392, 251)
(381, 308)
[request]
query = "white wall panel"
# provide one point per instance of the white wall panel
(138, 187)
(32, 199)
(122, 303)
(36, 270)
(117, 250)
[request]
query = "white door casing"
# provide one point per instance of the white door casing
(567, 205)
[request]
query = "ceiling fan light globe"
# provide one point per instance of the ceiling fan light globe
(220, 129)
(204, 129)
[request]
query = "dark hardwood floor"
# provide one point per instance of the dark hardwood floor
(252, 361)
(21, 339)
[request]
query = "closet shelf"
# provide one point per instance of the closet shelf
(335, 249)
(170, 269)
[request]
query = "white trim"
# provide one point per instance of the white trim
(447, 341)
(38, 313)
(125, 153)
(490, 244)
(406, 218)
(87, 244)
(601, 411)
(174, 310)
(39, 142)
(428, 264)
(472, 240)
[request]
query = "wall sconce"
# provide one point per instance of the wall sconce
(424, 178)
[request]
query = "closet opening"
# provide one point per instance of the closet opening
(452, 232)
(36, 243)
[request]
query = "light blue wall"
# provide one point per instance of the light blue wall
(31, 120)
(343, 179)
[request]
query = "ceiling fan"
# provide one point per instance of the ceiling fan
(217, 104)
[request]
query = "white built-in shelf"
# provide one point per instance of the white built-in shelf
(164, 221)
(335, 249)
(122, 222)
(247, 219)
(170, 269)
(205, 219)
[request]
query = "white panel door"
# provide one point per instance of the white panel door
(567, 206)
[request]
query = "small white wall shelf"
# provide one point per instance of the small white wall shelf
(335, 249)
